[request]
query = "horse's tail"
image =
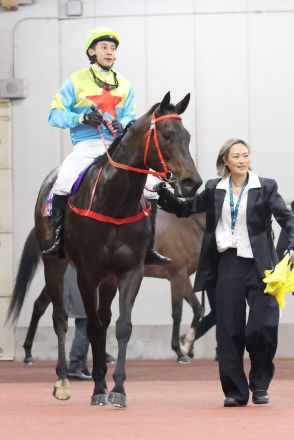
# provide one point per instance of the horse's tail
(27, 267)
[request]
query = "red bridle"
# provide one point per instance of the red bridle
(145, 211)
(152, 128)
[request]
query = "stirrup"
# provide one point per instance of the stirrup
(153, 257)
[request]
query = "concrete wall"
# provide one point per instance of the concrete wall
(6, 234)
(234, 56)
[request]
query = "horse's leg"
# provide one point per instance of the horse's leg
(40, 305)
(54, 274)
(96, 334)
(198, 325)
(128, 286)
(177, 294)
(107, 292)
(209, 320)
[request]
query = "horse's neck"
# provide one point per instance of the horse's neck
(119, 191)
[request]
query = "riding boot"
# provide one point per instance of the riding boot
(153, 257)
(59, 203)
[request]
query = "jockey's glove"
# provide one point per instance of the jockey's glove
(93, 118)
(114, 126)
(291, 254)
(117, 126)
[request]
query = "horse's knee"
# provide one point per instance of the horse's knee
(123, 330)
(60, 324)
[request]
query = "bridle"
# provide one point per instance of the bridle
(165, 174)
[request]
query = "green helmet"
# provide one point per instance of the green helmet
(101, 34)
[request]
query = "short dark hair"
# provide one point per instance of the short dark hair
(92, 58)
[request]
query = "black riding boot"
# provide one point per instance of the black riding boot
(58, 213)
(153, 257)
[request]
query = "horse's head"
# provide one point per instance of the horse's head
(169, 146)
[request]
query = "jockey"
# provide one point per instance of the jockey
(88, 97)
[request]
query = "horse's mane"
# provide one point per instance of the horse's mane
(101, 160)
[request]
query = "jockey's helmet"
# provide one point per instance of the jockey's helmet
(101, 34)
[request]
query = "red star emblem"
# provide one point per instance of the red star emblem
(106, 102)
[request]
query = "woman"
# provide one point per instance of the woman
(237, 247)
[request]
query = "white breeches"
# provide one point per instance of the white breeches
(83, 154)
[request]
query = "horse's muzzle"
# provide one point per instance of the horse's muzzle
(187, 187)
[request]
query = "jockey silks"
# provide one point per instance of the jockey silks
(80, 91)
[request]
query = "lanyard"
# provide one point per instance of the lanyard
(234, 211)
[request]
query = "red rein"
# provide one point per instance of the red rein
(145, 211)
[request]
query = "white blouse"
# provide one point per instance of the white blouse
(238, 238)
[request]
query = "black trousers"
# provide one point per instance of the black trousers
(238, 283)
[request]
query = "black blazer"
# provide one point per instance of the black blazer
(282, 243)
(262, 203)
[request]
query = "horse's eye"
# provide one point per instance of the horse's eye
(168, 135)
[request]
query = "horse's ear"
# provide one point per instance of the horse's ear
(165, 102)
(182, 105)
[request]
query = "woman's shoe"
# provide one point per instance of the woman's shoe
(231, 402)
(260, 397)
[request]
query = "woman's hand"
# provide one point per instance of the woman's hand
(159, 186)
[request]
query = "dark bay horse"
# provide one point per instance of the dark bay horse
(179, 238)
(111, 253)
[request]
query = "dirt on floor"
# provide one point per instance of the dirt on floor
(166, 401)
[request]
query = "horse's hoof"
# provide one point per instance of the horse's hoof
(99, 399)
(191, 353)
(186, 342)
(62, 389)
(185, 349)
(117, 399)
(28, 360)
(184, 360)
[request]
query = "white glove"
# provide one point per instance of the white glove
(291, 254)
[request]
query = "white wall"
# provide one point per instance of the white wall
(234, 56)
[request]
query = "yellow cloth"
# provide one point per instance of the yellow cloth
(280, 280)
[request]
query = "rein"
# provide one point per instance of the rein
(166, 175)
